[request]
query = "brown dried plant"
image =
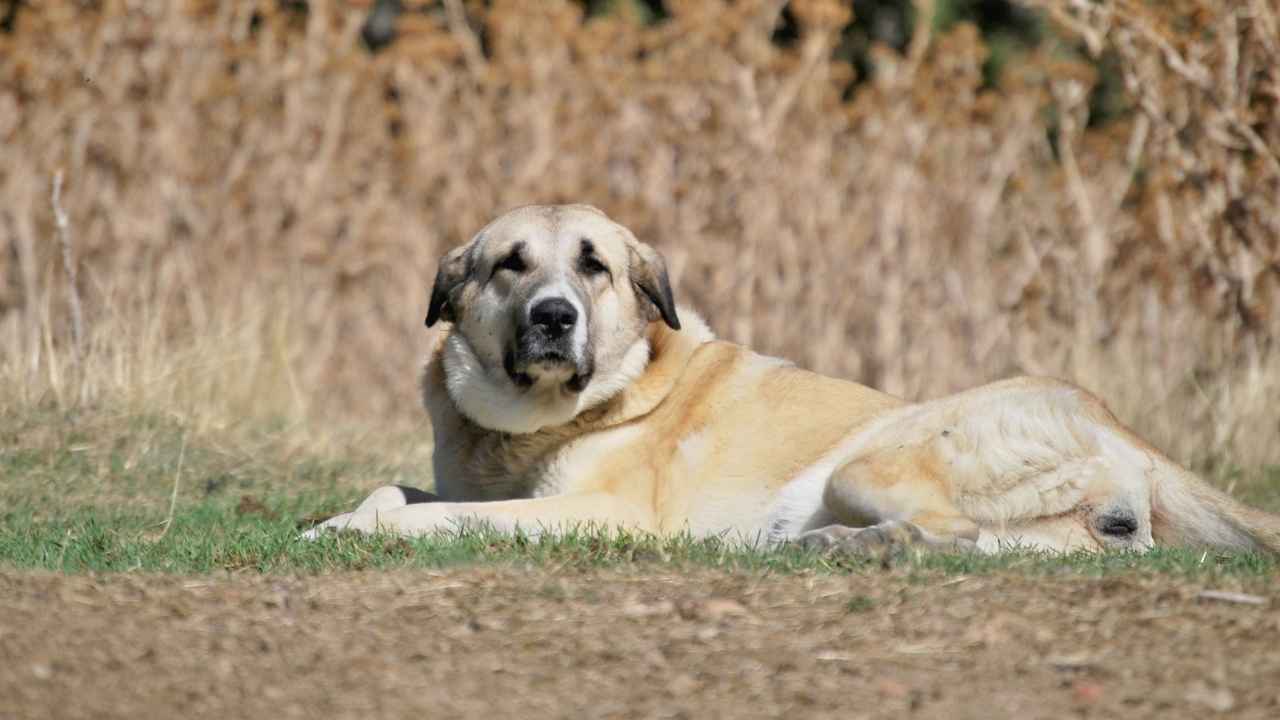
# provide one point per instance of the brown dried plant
(258, 202)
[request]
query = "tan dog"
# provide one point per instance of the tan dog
(570, 389)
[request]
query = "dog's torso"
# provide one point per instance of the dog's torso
(727, 431)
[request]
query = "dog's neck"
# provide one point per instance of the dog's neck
(473, 462)
(669, 352)
(650, 367)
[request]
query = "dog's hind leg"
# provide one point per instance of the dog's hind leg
(886, 536)
(887, 501)
(1027, 462)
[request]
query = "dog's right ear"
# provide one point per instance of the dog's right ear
(455, 266)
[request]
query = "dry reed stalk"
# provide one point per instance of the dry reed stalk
(173, 496)
(69, 268)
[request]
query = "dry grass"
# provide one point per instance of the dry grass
(256, 203)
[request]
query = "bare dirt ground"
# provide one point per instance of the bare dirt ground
(638, 642)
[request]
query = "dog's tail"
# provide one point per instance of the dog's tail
(1186, 510)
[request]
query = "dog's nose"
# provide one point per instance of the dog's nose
(555, 315)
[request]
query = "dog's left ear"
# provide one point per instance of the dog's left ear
(454, 268)
(649, 276)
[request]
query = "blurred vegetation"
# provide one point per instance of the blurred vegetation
(920, 196)
(1008, 29)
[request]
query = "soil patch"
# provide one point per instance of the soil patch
(634, 642)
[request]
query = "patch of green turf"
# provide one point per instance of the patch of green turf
(92, 493)
(216, 536)
(55, 466)
(1260, 488)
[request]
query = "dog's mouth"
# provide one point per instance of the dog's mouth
(534, 363)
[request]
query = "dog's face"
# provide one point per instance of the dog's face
(549, 306)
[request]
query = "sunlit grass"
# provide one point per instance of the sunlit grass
(144, 494)
(216, 536)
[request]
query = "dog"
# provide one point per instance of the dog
(569, 388)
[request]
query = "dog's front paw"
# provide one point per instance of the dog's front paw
(384, 500)
(333, 524)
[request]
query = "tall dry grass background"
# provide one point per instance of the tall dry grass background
(255, 203)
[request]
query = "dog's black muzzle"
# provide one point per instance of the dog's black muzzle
(544, 346)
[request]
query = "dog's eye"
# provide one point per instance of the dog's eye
(591, 265)
(512, 262)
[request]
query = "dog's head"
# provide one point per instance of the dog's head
(549, 306)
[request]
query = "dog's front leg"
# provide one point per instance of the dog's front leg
(533, 516)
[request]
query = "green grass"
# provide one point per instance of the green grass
(218, 536)
(92, 494)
